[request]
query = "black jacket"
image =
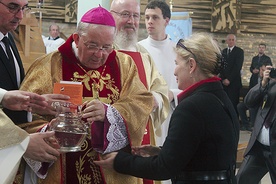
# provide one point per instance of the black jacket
(256, 64)
(234, 61)
(8, 81)
(201, 137)
(255, 98)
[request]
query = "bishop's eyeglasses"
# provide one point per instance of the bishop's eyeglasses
(92, 47)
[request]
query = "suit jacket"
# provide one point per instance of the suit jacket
(232, 71)
(8, 81)
(256, 64)
(201, 137)
(255, 97)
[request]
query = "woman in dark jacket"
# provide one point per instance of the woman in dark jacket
(204, 129)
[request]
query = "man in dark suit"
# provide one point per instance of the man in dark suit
(260, 154)
(11, 67)
(231, 74)
(257, 62)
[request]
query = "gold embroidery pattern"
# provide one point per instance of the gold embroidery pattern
(89, 156)
(103, 81)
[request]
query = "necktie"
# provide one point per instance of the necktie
(229, 50)
(271, 113)
(10, 60)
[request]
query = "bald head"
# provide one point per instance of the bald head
(117, 5)
(231, 40)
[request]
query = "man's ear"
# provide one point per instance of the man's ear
(76, 38)
(167, 22)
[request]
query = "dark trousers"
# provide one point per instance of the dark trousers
(256, 165)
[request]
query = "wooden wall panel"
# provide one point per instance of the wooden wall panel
(261, 2)
(253, 13)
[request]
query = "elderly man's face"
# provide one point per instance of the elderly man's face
(54, 31)
(127, 25)
(9, 20)
(231, 40)
(95, 47)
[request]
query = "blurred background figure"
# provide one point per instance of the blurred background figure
(53, 41)
(231, 74)
(257, 62)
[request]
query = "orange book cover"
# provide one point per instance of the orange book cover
(72, 89)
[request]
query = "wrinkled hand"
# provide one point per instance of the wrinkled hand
(22, 100)
(145, 150)
(39, 150)
(94, 111)
(50, 98)
(108, 161)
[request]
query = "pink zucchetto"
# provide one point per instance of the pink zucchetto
(99, 16)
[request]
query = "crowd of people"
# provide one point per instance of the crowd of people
(156, 110)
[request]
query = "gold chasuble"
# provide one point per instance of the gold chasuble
(115, 83)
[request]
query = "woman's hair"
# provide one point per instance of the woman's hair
(205, 50)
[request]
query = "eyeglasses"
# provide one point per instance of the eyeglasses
(180, 44)
(15, 8)
(94, 48)
(127, 15)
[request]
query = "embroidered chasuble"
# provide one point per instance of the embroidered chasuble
(116, 83)
(102, 84)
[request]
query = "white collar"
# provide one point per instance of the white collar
(2, 35)
(231, 48)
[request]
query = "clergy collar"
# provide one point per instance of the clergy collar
(51, 38)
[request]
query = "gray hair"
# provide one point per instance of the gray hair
(83, 27)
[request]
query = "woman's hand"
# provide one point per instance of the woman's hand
(145, 150)
(107, 161)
